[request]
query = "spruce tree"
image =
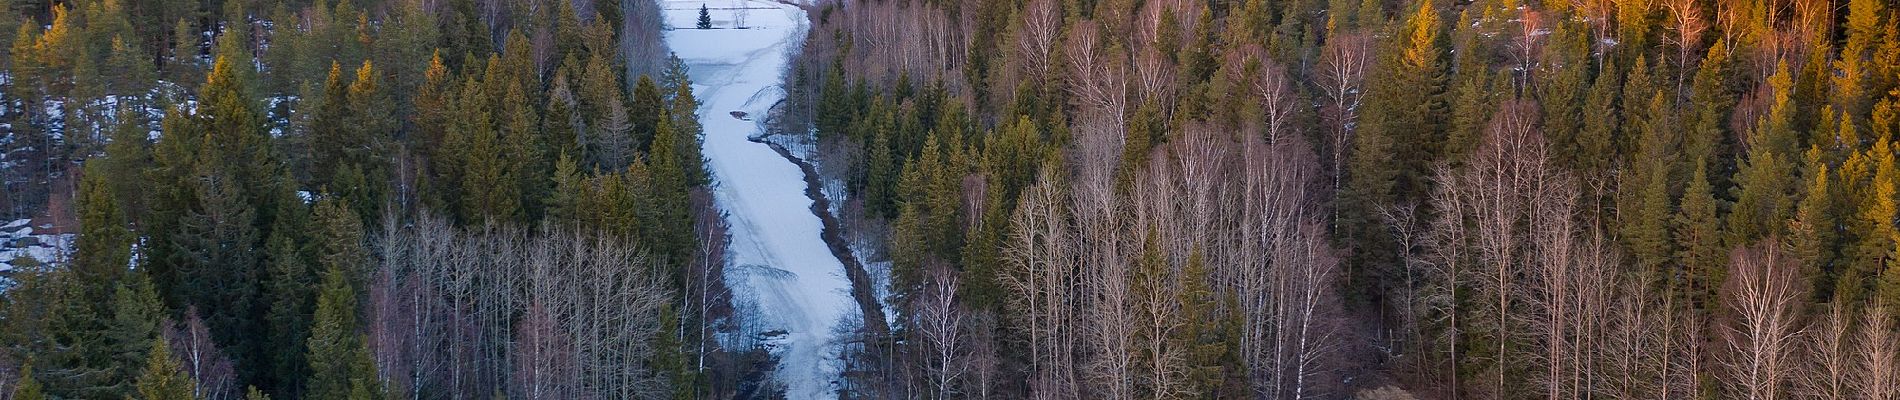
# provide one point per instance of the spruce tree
(1761, 193)
(135, 322)
(290, 296)
(1596, 143)
(1209, 334)
(182, 65)
(1811, 233)
(164, 378)
(685, 114)
(127, 158)
(1873, 230)
(29, 387)
(705, 17)
(331, 137)
(337, 353)
(1646, 200)
(1403, 124)
(104, 248)
(645, 113)
(1701, 254)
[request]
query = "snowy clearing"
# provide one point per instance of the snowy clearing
(18, 240)
(783, 275)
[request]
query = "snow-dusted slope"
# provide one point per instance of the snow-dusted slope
(782, 274)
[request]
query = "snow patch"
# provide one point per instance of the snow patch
(19, 243)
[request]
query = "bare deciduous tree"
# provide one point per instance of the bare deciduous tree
(1341, 77)
(940, 322)
(1039, 279)
(1877, 368)
(1761, 338)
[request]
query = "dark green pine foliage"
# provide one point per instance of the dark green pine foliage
(524, 153)
(332, 141)
(230, 193)
(83, 362)
(164, 377)
(1645, 203)
(127, 157)
(560, 123)
(484, 184)
(1210, 333)
(1601, 122)
(834, 111)
(705, 17)
(667, 217)
(1811, 233)
(340, 364)
(290, 295)
(104, 248)
(928, 226)
(670, 359)
(1403, 123)
(645, 111)
(685, 118)
(29, 386)
(135, 322)
(1762, 187)
(880, 176)
(1697, 231)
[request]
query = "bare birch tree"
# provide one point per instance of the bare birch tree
(1761, 338)
(1038, 278)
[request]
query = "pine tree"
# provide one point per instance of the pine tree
(332, 140)
(1762, 190)
(135, 322)
(29, 387)
(1699, 231)
(561, 120)
(369, 116)
(645, 113)
(524, 154)
(1404, 120)
(1209, 334)
(833, 114)
(705, 17)
(1873, 230)
(290, 296)
(1811, 233)
(104, 248)
(564, 203)
(164, 378)
(1601, 120)
(880, 181)
(1647, 208)
(685, 114)
(1853, 74)
(182, 65)
(338, 356)
(408, 34)
(127, 157)
(486, 190)
(133, 72)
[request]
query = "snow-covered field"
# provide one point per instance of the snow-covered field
(783, 276)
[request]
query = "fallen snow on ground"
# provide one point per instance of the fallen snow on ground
(783, 276)
(18, 240)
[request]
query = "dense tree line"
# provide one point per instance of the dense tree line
(387, 199)
(1290, 199)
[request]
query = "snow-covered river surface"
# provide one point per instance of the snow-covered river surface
(782, 275)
